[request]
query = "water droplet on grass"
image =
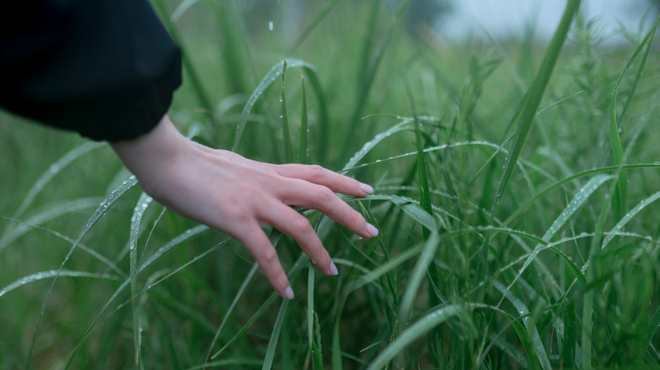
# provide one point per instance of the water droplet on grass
(270, 25)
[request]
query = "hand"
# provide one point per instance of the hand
(238, 196)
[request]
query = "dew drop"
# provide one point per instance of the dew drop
(270, 25)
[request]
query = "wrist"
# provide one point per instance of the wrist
(147, 155)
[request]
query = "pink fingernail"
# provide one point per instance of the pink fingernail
(333, 269)
(371, 230)
(288, 292)
(366, 188)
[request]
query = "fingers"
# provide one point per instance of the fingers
(258, 244)
(321, 176)
(298, 227)
(321, 198)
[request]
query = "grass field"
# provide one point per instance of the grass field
(516, 187)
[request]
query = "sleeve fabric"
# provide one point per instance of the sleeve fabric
(104, 68)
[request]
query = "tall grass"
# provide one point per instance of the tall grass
(516, 197)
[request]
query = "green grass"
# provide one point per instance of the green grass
(517, 188)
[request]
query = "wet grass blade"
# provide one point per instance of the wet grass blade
(136, 219)
(46, 214)
(272, 344)
(53, 170)
(303, 150)
(649, 43)
(653, 327)
(570, 327)
(621, 193)
(522, 309)
(414, 332)
(284, 119)
(629, 216)
(580, 198)
(268, 80)
(559, 183)
(81, 246)
(529, 112)
(292, 273)
(310, 307)
(51, 274)
(416, 277)
(100, 212)
(274, 238)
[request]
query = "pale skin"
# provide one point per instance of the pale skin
(239, 196)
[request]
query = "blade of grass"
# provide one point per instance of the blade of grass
(82, 247)
(649, 42)
(100, 212)
(48, 213)
(292, 273)
(136, 219)
(317, 349)
(370, 76)
(580, 198)
(274, 238)
(192, 314)
(284, 119)
(272, 344)
(303, 150)
(53, 170)
(161, 9)
(227, 362)
(559, 183)
(312, 25)
(415, 331)
(568, 355)
(310, 308)
(529, 112)
(270, 77)
(420, 270)
(539, 349)
(620, 195)
(52, 273)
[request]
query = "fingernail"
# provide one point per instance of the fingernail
(371, 230)
(288, 292)
(333, 269)
(366, 188)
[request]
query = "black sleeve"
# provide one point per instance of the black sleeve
(104, 68)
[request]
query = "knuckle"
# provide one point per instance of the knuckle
(237, 214)
(355, 218)
(268, 257)
(316, 172)
(325, 195)
(301, 225)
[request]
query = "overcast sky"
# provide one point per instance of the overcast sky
(506, 17)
